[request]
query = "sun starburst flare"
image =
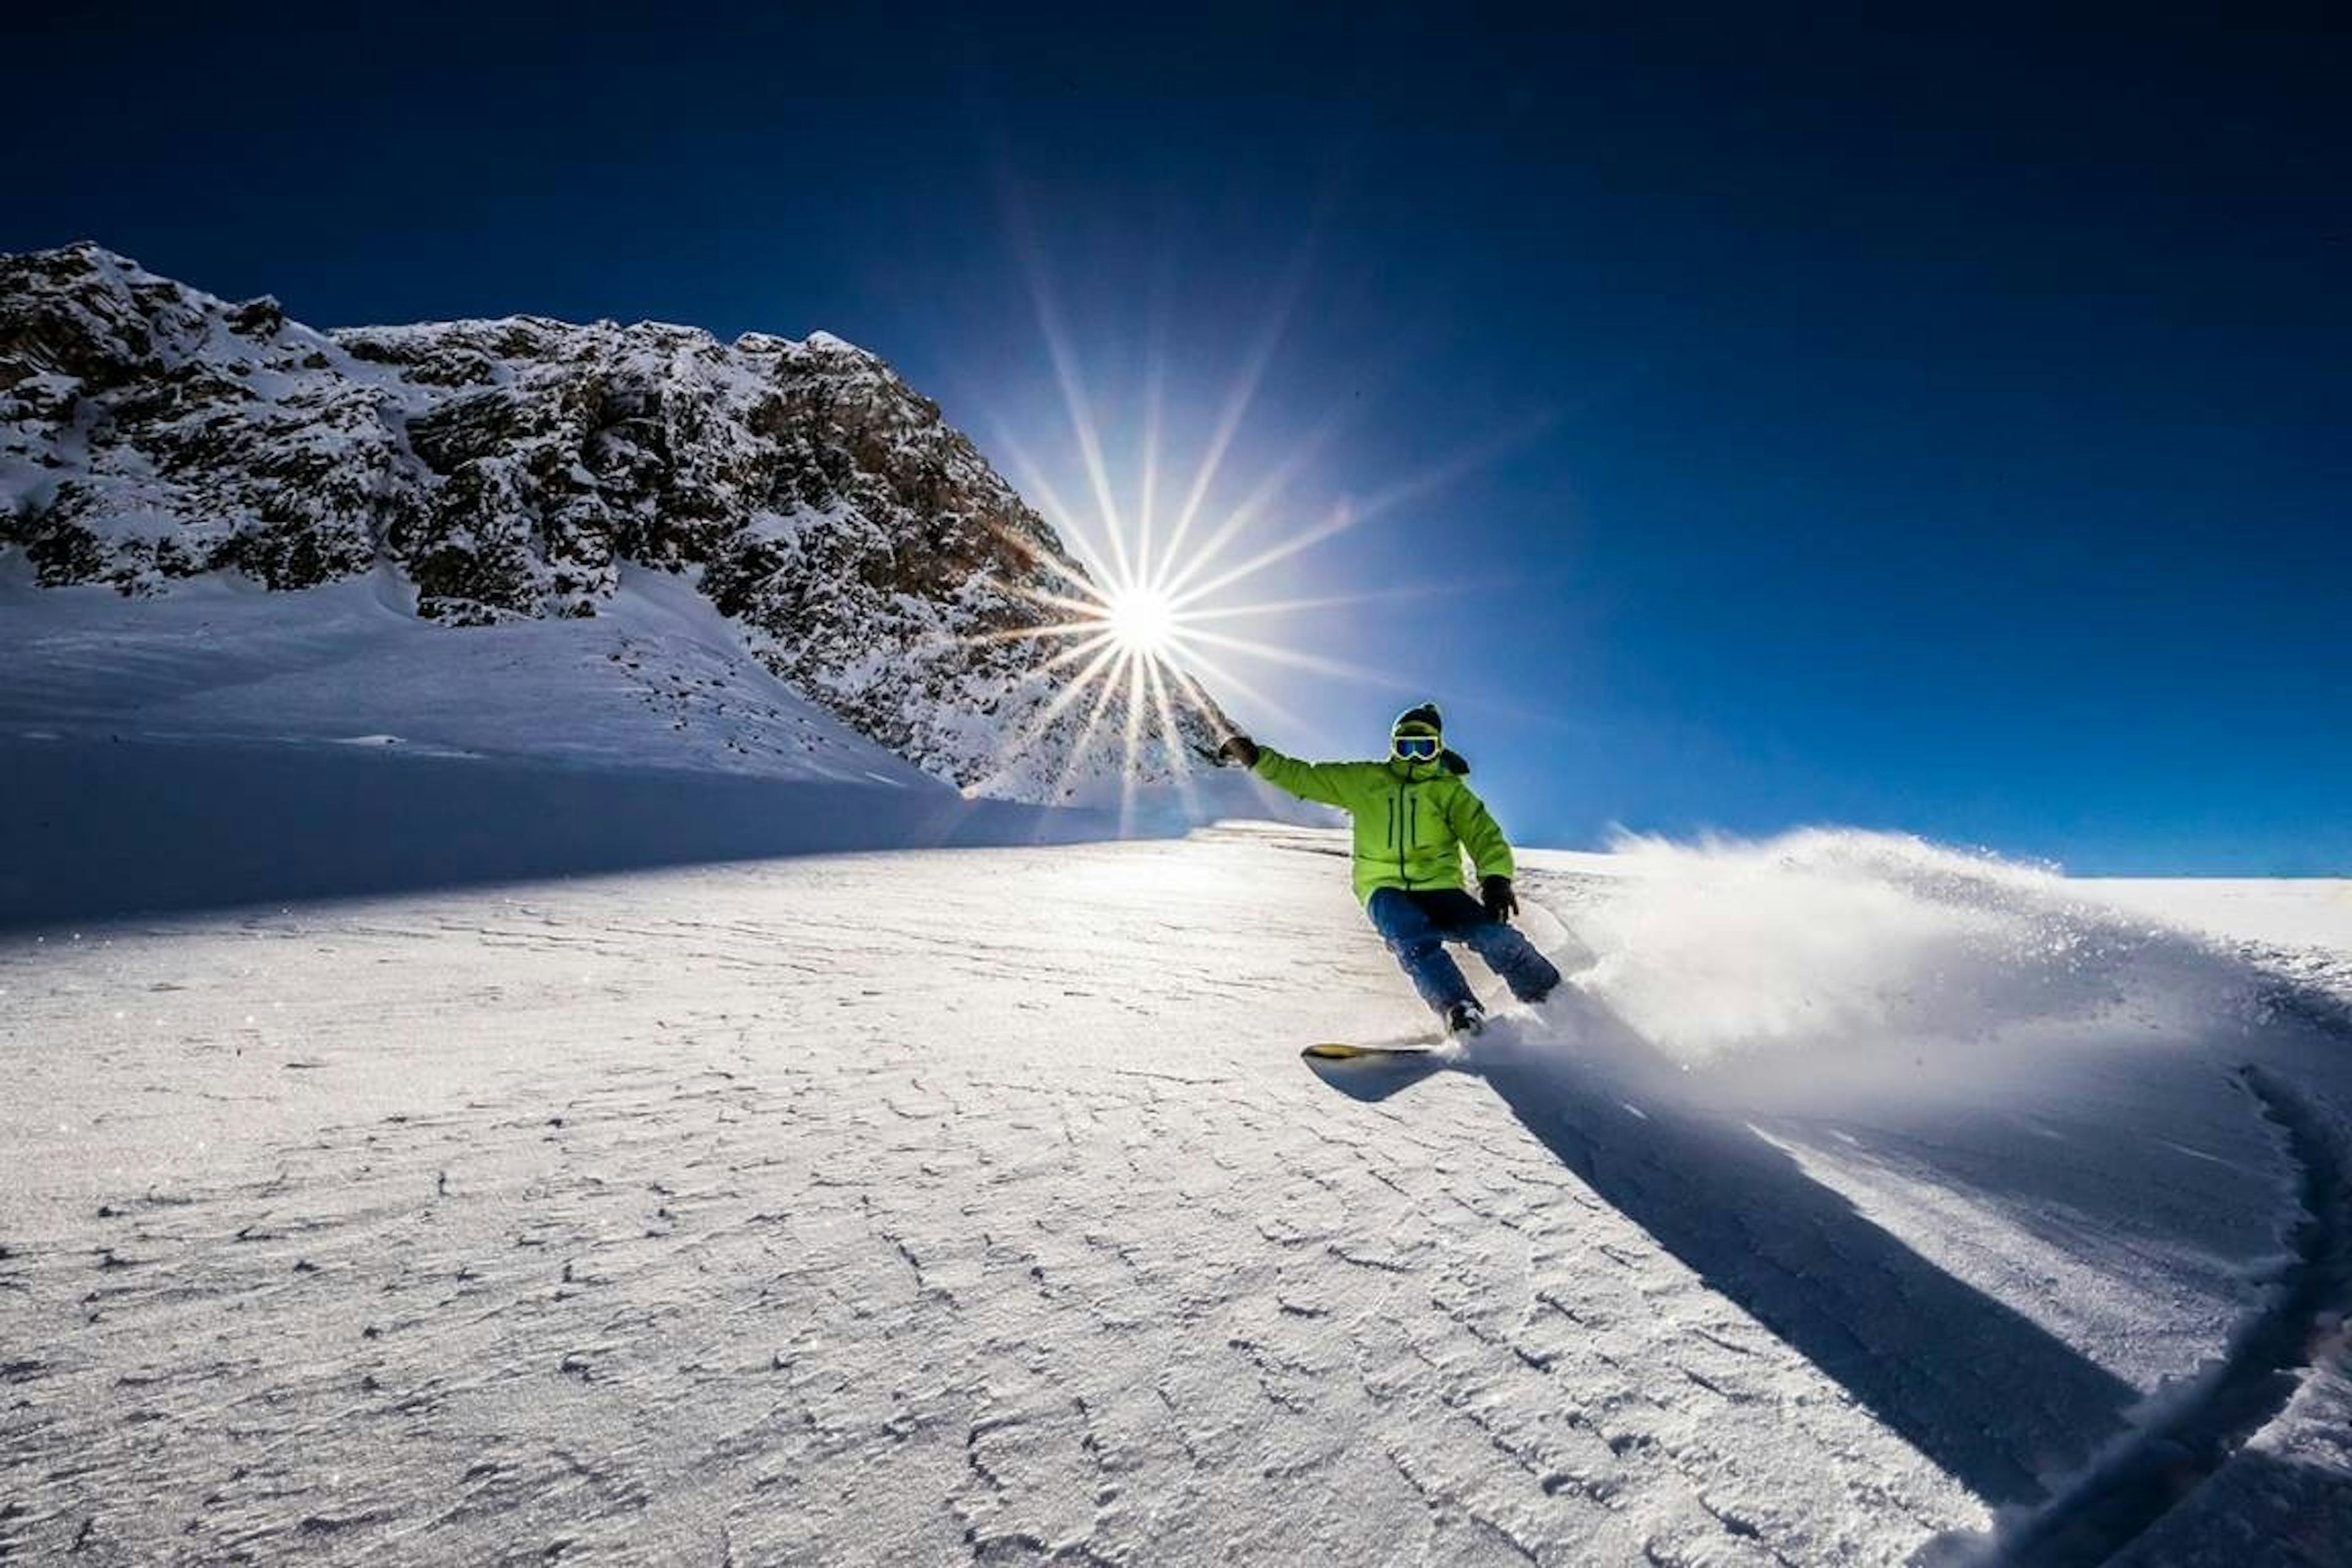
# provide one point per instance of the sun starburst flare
(1145, 615)
(1139, 633)
(1146, 620)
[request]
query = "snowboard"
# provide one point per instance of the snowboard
(1340, 1051)
(1396, 1048)
(1374, 1071)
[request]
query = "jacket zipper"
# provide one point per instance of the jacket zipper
(1403, 803)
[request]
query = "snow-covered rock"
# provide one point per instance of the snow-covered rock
(150, 433)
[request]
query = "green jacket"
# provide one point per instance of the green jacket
(1412, 819)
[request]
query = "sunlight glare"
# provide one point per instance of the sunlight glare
(1130, 599)
(1142, 621)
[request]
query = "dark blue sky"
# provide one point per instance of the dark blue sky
(1941, 431)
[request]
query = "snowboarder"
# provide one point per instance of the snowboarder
(1413, 816)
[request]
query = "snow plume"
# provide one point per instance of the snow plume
(1843, 942)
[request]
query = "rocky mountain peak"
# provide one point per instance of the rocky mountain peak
(504, 469)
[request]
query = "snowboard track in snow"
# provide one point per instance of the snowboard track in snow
(2195, 1432)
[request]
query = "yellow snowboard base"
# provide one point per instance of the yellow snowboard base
(1339, 1051)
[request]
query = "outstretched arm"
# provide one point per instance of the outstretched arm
(1323, 783)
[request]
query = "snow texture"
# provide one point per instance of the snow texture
(1863, 1202)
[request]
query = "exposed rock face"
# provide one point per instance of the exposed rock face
(149, 432)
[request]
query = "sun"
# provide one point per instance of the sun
(1142, 622)
(1142, 601)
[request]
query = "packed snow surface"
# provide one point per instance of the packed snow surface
(660, 674)
(229, 744)
(1862, 1201)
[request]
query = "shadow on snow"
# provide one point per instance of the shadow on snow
(99, 829)
(1983, 1391)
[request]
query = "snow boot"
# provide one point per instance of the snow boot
(1464, 1019)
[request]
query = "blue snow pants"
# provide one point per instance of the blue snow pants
(1418, 925)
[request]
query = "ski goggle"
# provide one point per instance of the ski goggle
(1416, 748)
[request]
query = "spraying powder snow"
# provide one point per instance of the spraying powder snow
(1840, 941)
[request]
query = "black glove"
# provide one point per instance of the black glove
(1496, 893)
(1239, 749)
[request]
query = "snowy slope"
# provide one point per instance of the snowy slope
(2302, 929)
(974, 1206)
(658, 679)
(227, 744)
